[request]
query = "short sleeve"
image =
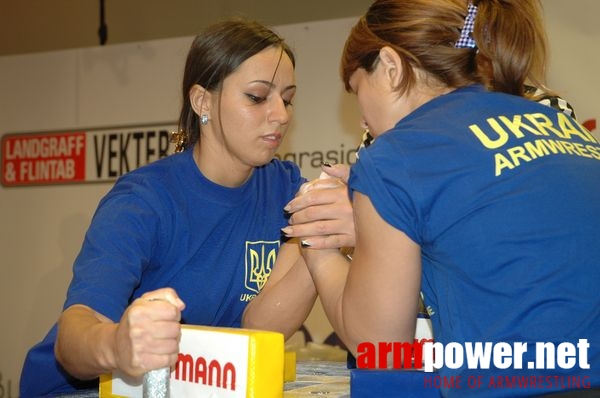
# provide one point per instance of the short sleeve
(383, 178)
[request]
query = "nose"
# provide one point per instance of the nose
(278, 111)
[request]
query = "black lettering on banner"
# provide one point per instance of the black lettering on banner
(123, 144)
(98, 156)
(149, 149)
(117, 153)
(138, 136)
(164, 139)
(112, 154)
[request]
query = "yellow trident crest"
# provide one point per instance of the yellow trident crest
(260, 258)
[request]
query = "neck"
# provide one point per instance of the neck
(219, 168)
(423, 93)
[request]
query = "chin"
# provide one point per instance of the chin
(263, 161)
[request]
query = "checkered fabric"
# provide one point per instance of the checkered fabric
(466, 39)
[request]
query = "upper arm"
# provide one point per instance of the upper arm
(384, 279)
(119, 241)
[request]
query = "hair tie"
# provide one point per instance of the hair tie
(466, 40)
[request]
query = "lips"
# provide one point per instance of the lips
(272, 139)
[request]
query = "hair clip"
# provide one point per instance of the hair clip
(179, 138)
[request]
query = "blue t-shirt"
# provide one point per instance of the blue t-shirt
(503, 196)
(166, 225)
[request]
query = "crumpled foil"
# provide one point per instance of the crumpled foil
(156, 383)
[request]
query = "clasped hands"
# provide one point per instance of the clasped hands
(321, 213)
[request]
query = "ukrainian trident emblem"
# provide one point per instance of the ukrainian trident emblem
(260, 258)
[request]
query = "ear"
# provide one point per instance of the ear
(200, 99)
(392, 66)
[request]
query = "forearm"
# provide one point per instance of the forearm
(85, 343)
(284, 303)
(329, 270)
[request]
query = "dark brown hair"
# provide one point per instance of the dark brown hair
(215, 54)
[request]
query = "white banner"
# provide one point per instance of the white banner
(81, 156)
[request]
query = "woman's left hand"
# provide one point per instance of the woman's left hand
(321, 213)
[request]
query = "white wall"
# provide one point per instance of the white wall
(574, 36)
(41, 227)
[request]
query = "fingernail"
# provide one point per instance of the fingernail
(305, 243)
(326, 164)
(286, 230)
(287, 208)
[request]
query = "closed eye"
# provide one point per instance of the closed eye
(256, 99)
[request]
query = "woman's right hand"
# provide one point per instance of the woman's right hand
(147, 336)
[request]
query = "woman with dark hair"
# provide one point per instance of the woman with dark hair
(190, 238)
(484, 201)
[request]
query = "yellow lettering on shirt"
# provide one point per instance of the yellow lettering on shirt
(537, 136)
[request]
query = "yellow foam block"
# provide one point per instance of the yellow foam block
(289, 366)
(217, 362)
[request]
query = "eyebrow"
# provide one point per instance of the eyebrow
(271, 85)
